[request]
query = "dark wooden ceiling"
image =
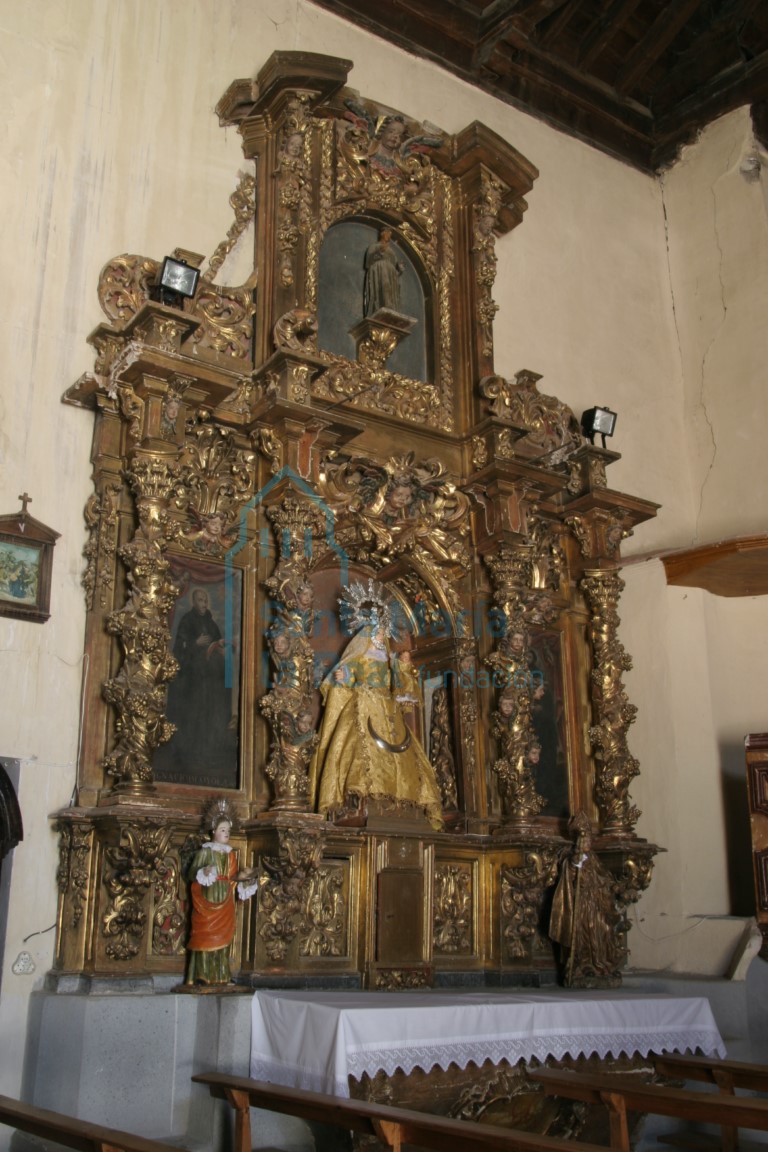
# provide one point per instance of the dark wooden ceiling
(636, 78)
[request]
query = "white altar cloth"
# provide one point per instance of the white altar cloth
(316, 1040)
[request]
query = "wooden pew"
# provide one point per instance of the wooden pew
(394, 1127)
(621, 1095)
(726, 1075)
(73, 1133)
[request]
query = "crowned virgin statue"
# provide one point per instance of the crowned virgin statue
(366, 750)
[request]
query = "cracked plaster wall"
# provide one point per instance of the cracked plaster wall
(715, 200)
(700, 660)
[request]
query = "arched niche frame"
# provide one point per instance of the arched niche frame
(431, 630)
(346, 253)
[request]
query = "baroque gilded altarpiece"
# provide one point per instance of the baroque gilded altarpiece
(269, 444)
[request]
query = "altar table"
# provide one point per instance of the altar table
(316, 1040)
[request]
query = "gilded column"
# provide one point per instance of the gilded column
(512, 722)
(138, 691)
(612, 712)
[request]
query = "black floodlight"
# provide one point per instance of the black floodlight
(598, 421)
(178, 282)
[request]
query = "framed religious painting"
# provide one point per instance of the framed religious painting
(26, 561)
(204, 697)
(548, 717)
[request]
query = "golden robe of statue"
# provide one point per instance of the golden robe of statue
(366, 748)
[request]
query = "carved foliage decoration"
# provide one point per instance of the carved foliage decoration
(612, 711)
(134, 865)
(215, 479)
(294, 193)
(522, 897)
(285, 891)
(452, 932)
(399, 508)
(323, 928)
(73, 870)
(101, 517)
(486, 212)
(387, 392)
(225, 313)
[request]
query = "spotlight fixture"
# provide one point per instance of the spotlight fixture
(177, 282)
(598, 420)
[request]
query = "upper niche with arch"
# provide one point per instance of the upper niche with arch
(342, 294)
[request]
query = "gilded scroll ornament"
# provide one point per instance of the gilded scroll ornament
(296, 331)
(284, 890)
(243, 203)
(269, 446)
(549, 562)
(452, 931)
(133, 863)
(522, 898)
(125, 285)
(552, 429)
(579, 526)
(611, 709)
(479, 453)
(362, 387)
(226, 316)
(169, 921)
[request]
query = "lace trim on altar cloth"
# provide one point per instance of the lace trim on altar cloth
(375, 1058)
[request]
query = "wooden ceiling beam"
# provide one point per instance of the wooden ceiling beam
(659, 36)
(747, 84)
(604, 30)
(557, 26)
(522, 15)
(714, 51)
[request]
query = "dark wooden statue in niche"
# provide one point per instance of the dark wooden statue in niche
(357, 260)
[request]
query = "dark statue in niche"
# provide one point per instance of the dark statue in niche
(346, 252)
(382, 275)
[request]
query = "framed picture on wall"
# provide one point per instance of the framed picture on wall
(204, 698)
(26, 561)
